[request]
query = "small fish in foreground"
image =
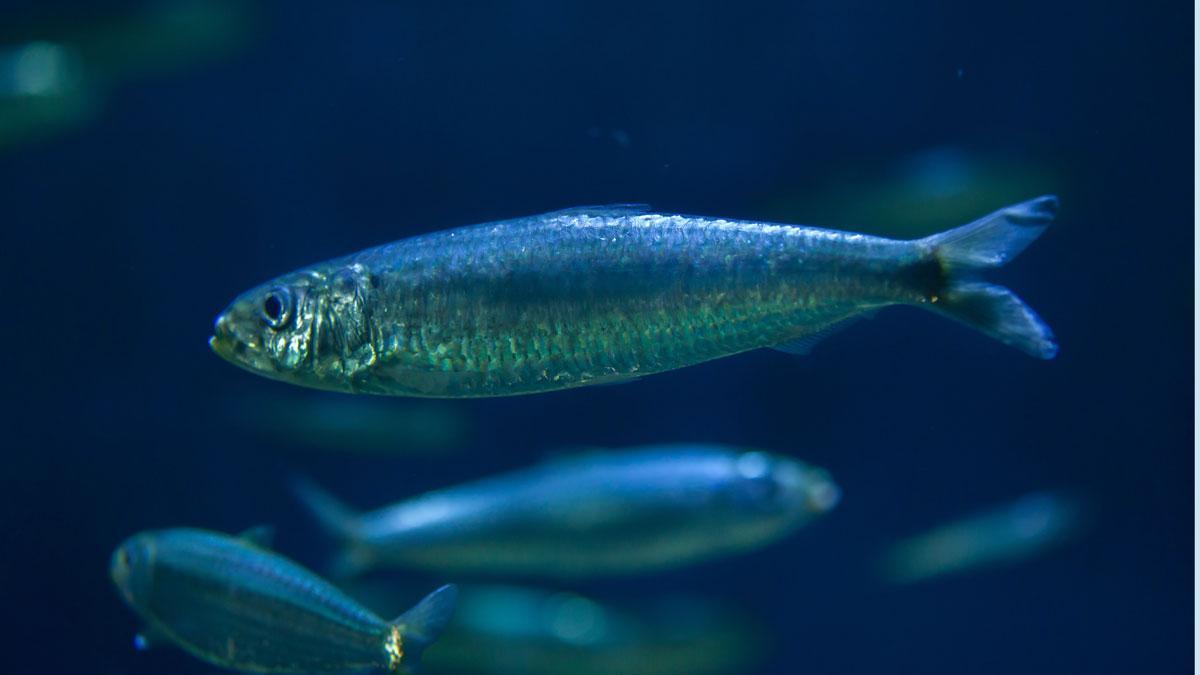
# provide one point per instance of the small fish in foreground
(599, 295)
(604, 513)
(233, 603)
(1005, 534)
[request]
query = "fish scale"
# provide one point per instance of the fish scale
(706, 301)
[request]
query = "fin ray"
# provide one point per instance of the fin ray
(421, 625)
(993, 241)
(803, 346)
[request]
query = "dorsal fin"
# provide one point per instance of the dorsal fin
(572, 454)
(262, 536)
(603, 210)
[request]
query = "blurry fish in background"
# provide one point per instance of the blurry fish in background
(1006, 534)
(604, 513)
(512, 630)
(233, 603)
(915, 195)
(44, 87)
(56, 73)
(339, 424)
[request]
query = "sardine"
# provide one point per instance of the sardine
(608, 294)
(233, 603)
(605, 513)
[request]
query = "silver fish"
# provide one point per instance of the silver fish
(233, 603)
(594, 514)
(600, 295)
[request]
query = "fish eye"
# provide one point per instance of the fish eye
(123, 558)
(277, 308)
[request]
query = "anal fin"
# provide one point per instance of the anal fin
(803, 346)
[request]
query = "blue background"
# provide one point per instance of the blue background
(343, 125)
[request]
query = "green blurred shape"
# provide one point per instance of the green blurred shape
(1005, 534)
(504, 629)
(346, 424)
(44, 90)
(56, 72)
(914, 196)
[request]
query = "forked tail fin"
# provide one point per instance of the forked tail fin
(340, 522)
(993, 241)
(417, 628)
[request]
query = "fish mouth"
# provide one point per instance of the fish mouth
(219, 346)
(231, 344)
(223, 342)
(808, 488)
(224, 347)
(823, 495)
(119, 572)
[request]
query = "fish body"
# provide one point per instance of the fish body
(235, 604)
(1005, 534)
(599, 295)
(605, 513)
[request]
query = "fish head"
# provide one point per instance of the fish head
(307, 328)
(132, 567)
(780, 486)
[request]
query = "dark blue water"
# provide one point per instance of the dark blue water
(342, 125)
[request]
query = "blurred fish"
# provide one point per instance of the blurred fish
(343, 425)
(56, 73)
(1006, 534)
(595, 514)
(511, 629)
(44, 88)
(607, 294)
(233, 603)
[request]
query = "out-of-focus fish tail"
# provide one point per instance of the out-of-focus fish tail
(339, 521)
(992, 241)
(417, 628)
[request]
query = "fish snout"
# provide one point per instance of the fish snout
(129, 568)
(807, 488)
(822, 494)
(233, 340)
(119, 571)
(222, 341)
